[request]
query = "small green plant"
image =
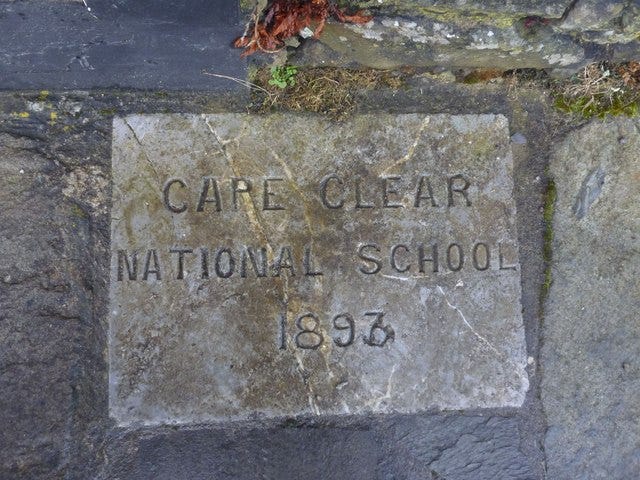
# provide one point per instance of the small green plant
(332, 91)
(284, 76)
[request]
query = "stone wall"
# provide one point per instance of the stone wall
(503, 35)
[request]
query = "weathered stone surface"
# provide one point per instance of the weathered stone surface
(426, 447)
(486, 447)
(248, 452)
(58, 417)
(46, 331)
(161, 44)
(512, 8)
(591, 382)
(593, 14)
(186, 348)
(603, 21)
(501, 35)
(388, 42)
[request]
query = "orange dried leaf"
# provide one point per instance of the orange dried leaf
(241, 42)
(357, 17)
(283, 19)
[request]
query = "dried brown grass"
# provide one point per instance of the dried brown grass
(601, 89)
(327, 90)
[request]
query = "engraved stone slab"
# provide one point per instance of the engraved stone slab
(290, 265)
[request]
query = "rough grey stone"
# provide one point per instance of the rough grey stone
(461, 447)
(388, 42)
(562, 36)
(46, 351)
(434, 447)
(591, 374)
(167, 44)
(513, 8)
(246, 453)
(200, 342)
(593, 14)
(603, 21)
(626, 51)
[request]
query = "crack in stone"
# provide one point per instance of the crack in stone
(135, 136)
(402, 279)
(387, 393)
(325, 351)
(480, 337)
(483, 340)
(251, 212)
(412, 148)
(296, 188)
(589, 192)
(327, 347)
(153, 168)
(250, 207)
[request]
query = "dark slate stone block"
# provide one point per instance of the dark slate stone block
(328, 453)
(126, 44)
(460, 447)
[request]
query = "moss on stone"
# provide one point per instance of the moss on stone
(599, 106)
(468, 17)
(601, 89)
(439, 13)
(78, 212)
(547, 251)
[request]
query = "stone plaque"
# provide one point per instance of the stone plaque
(290, 265)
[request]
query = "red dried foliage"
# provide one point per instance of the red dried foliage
(630, 73)
(533, 21)
(283, 19)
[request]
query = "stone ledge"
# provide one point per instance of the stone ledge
(451, 9)
(510, 35)
(392, 42)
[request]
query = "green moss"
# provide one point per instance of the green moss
(77, 212)
(438, 13)
(547, 250)
(599, 106)
(468, 17)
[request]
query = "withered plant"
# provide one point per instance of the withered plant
(271, 25)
